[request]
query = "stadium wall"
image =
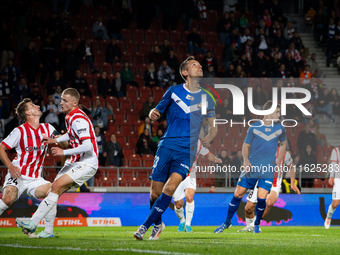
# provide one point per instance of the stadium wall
(210, 209)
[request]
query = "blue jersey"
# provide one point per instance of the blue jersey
(184, 118)
(264, 141)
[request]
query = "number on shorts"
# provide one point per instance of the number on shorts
(251, 194)
(155, 162)
(11, 180)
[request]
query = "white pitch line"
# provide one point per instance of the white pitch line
(80, 249)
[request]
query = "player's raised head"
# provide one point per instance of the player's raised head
(22, 108)
(276, 113)
(69, 100)
(190, 68)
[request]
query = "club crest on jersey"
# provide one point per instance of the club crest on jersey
(267, 130)
(190, 97)
(199, 106)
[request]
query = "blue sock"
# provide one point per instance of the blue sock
(260, 207)
(233, 206)
(157, 210)
(159, 220)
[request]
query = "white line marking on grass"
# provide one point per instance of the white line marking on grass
(81, 249)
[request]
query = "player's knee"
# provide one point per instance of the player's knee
(170, 189)
(189, 199)
(7, 200)
(249, 209)
(154, 197)
(178, 205)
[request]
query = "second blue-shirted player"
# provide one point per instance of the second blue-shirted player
(177, 148)
(259, 154)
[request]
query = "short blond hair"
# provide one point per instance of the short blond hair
(184, 66)
(72, 92)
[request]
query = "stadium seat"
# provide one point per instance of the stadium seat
(125, 103)
(162, 35)
(138, 36)
(148, 160)
(144, 47)
(139, 58)
(144, 93)
(86, 101)
(317, 183)
(118, 116)
(175, 37)
(150, 36)
(133, 140)
(127, 35)
(181, 48)
(126, 56)
(132, 116)
(131, 47)
(134, 160)
(113, 101)
(128, 151)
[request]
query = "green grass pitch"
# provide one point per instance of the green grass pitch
(119, 240)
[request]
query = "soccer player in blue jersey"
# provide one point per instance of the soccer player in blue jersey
(259, 153)
(177, 148)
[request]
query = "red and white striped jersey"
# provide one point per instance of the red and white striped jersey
(79, 127)
(201, 150)
(334, 160)
(286, 161)
(30, 150)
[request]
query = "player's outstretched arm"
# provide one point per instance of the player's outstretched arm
(154, 114)
(282, 152)
(84, 147)
(292, 172)
(13, 170)
(62, 144)
(211, 133)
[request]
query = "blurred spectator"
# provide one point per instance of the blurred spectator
(36, 96)
(307, 160)
(83, 108)
(288, 32)
(319, 25)
(248, 49)
(21, 91)
(237, 162)
(170, 10)
(258, 10)
(57, 95)
(189, 12)
(239, 73)
(280, 42)
(12, 73)
(55, 81)
(104, 85)
(114, 152)
(163, 126)
(262, 43)
(23, 40)
(293, 112)
(99, 30)
(229, 55)
(306, 138)
(260, 98)
(126, 13)
(245, 63)
(145, 125)
(113, 52)
(230, 72)
(305, 76)
(296, 39)
(65, 28)
(325, 104)
(242, 22)
(295, 53)
(212, 189)
(290, 64)
(194, 42)
(275, 28)
(314, 88)
(246, 36)
(165, 48)
(262, 25)
(224, 27)
(145, 145)
(311, 110)
(5, 92)
(277, 13)
(118, 87)
(210, 73)
(202, 9)
(226, 161)
(150, 76)
(6, 47)
(158, 137)
(48, 59)
(102, 150)
(174, 65)
(69, 62)
(30, 62)
(314, 66)
(165, 75)
(4, 114)
(207, 61)
(277, 69)
(261, 67)
(330, 32)
(51, 113)
(84, 52)
(333, 49)
(37, 25)
(224, 111)
(310, 16)
(99, 115)
(114, 27)
(266, 17)
(155, 56)
(127, 75)
(234, 37)
(79, 83)
(336, 100)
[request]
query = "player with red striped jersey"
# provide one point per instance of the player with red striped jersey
(25, 171)
(83, 163)
(272, 197)
(187, 189)
(334, 179)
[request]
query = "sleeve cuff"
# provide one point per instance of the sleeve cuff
(7, 146)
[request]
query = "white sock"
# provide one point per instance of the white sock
(45, 206)
(250, 222)
(49, 218)
(180, 214)
(189, 212)
(330, 211)
(3, 206)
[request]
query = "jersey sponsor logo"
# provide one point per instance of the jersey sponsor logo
(185, 166)
(267, 130)
(82, 130)
(36, 148)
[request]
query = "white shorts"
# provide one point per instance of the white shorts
(180, 191)
(79, 172)
(24, 184)
(336, 189)
(252, 197)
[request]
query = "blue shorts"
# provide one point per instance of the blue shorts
(168, 161)
(249, 181)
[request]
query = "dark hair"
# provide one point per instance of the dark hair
(22, 108)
